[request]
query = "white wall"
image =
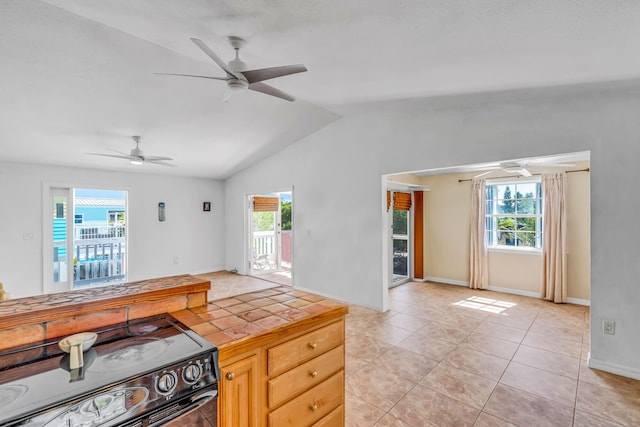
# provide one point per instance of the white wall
(336, 173)
(194, 236)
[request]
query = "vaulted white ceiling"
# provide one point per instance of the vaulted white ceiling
(76, 75)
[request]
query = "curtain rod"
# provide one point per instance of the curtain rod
(535, 174)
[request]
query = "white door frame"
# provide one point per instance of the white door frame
(49, 189)
(247, 268)
(48, 286)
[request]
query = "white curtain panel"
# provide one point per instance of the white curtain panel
(479, 265)
(554, 238)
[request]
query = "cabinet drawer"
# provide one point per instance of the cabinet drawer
(334, 419)
(312, 405)
(305, 376)
(285, 356)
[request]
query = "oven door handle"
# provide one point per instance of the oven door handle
(196, 402)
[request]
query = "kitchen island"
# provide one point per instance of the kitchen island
(281, 350)
(281, 357)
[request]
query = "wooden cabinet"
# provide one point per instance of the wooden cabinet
(293, 379)
(312, 344)
(239, 397)
(312, 405)
(306, 379)
(287, 385)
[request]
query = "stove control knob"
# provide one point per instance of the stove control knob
(167, 382)
(191, 373)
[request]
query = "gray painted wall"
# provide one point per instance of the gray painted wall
(194, 236)
(336, 175)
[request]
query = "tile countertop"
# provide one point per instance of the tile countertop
(41, 308)
(242, 322)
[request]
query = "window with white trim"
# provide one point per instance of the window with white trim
(514, 214)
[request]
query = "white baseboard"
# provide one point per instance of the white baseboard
(209, 270)
(577, 301)
(447, 281)
(613, 368)
(324, 294)
(514, 291)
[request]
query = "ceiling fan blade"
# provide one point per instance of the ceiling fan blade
(485, 173)
(254, 76)
(551, 165)
(155, 158)
(211, 54)
(524, 172)
(270, 90)
(192, 75)
(160, 163)
(112, 155)
(119, 152)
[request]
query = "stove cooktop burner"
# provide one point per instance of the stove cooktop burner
(38, 377)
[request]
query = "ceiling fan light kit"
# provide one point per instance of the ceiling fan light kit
(238, 78)
(520, 167)
(136, 156)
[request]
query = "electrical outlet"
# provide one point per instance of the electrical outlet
(176, 260)
(609, 327)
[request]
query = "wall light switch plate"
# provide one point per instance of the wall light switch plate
(609, 327)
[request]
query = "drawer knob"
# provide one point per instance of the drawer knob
(313, 345)
(313, 407)
(230, 376)
(313, 373)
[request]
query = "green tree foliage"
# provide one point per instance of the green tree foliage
(507, 227)
(285, 213)
(400, 222)
(508, 202)
(517, 231)
(263, 221)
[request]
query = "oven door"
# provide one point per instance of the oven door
(199, 410)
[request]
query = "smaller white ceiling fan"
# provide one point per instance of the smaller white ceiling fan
(520, 167)
(136, 156)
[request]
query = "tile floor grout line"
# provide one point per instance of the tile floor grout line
(540, 310)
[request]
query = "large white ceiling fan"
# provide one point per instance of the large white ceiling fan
(136, 156)
(239, 78)
(520, 167)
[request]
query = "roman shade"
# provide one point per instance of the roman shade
(401, 201)
(265, 204)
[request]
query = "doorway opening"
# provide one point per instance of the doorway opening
(86, 233)
(513, 208)
(270, 239)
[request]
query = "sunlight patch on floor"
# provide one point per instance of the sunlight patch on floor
(485, 304)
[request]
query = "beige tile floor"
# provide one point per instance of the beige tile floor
(225, 284)
(446, 355)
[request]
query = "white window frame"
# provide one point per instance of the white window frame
(513, 182)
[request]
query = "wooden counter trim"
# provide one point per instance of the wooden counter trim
(35, 310)
(251, 342)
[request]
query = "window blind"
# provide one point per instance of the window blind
(401, 201)
(265, 204)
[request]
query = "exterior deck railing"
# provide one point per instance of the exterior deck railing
(264, 242)
(98, 254)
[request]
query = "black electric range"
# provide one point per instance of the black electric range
(145, 372)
